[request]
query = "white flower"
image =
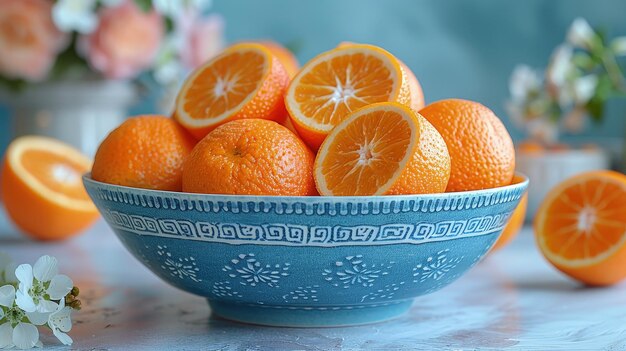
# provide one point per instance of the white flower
(60, 321)
(585, 88)
(41, 284)
(523, 81)
(168, 70)
(78, 15)
(14, 331)
(559, 75)
(176, 8)
(619, 46)
(581, 34)
(560, 65)
(168, 7)
(7, 270)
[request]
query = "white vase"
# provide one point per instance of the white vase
(80, 113)
(547, 169)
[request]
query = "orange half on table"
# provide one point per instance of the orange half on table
(245, 81)
(581, 227)
(340, 81)
(42, 188)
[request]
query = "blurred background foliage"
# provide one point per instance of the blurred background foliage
(457, 48)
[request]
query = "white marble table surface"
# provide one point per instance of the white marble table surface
(513, 300)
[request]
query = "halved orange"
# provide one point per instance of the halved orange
(382, 149)
(581, 227)
(415, 88)
(42, 188)
(340, 81)
(244, 81)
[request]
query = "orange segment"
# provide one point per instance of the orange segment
(41, 178)
(57, 173)
(383, 148)
(337, 82)
(581, 227)
(415, 88)
(245, 81)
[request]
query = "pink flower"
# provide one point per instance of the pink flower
(204, 38)
(29, 41)
(125, 42)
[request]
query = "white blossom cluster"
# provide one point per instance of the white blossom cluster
(561, 97)
(31, 297)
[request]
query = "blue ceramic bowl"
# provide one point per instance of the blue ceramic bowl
(307, 261)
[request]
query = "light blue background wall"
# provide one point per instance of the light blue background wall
(457, 48)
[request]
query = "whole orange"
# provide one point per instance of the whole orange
(250, 157)
(144, 152)
(481, 150)
(42, 188)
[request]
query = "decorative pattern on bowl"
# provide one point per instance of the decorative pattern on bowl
(306, 261)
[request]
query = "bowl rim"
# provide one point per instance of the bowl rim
(521, 185)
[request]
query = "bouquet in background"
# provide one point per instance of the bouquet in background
(42, 40)
(583, 73)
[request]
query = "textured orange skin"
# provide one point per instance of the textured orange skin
(36, 215)
(480, 147)
(428, 171)
(313, 137)
(513, 226)
(250, 157)
(607, 272)
(286, 57)
(267, 103)
(144, 152)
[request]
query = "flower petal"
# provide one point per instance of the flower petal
(25, 301)
(46, 268)
(7, 296)
(63, 338)
(6, 335)
(61, 319)
(60, 286)
(25, 336)
(38, 318)
(24, 273)
(47, 306)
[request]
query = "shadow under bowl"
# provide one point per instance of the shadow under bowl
(307, 261)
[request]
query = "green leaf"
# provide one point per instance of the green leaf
(13, 85)
(583, 60)
(169, 25)
(68, 61)
(595, 107)
(144, 5)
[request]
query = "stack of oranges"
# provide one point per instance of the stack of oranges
(352, 121)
